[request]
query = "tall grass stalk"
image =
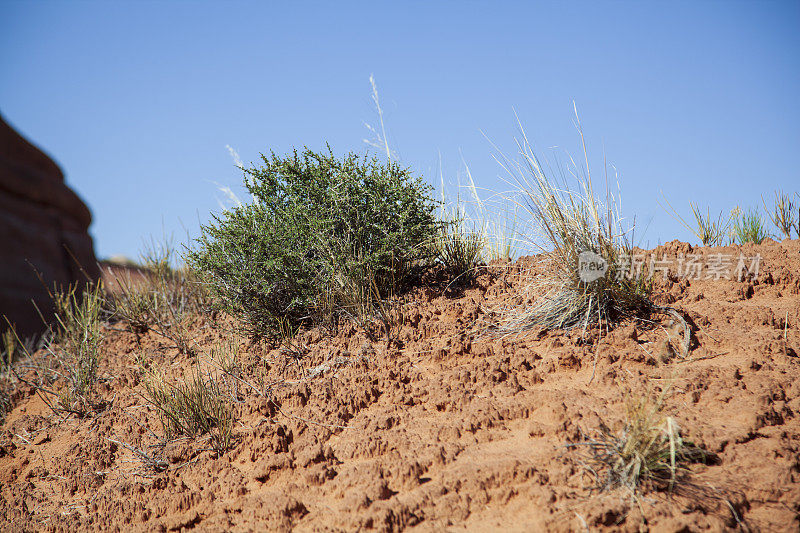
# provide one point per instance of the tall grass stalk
(379, 140)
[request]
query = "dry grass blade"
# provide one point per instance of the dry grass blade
(8, 346)
(151, 462)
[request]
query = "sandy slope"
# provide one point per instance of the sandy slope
(444, 430)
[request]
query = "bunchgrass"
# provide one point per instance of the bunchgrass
(459, 247)
(161, 296)
(573, 221)
(78, 337)
(8, 346)
(192, 407)
(748, 226)
(783, 213)
(709, 231)
(72, 350)
(491, 220)
(5, 394)
(225, 355)
(648, 449)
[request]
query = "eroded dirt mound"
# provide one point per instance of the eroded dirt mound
(447, 428)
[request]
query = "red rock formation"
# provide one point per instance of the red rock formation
(43, 228)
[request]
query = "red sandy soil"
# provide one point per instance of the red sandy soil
(447, 429)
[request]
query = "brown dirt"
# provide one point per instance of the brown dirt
(447, 429)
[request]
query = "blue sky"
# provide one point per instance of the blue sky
(138, 100)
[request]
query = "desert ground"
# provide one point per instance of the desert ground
(445, 426)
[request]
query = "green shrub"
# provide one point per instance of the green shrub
(318, 225)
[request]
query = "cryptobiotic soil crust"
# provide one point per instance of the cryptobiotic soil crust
(448, 428)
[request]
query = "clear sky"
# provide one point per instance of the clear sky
(137, 100)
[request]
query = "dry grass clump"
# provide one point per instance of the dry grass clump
(783, 214)
(709, 232)
(161, 297)
(459, 248)
(8, 344)
(649, 449)
(5, 394)
(572, 222)
(75, 346)
(195, 406)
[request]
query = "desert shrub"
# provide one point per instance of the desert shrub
(319, 227)
(192, 407)
(783, 214)
(748, 226)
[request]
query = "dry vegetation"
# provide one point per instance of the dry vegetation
(224, 370)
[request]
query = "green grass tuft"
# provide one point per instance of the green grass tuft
(192, 407)
(748, 226)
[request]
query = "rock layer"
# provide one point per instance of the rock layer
(43, 233)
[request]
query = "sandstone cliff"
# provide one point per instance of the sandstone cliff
(43, 228)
